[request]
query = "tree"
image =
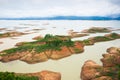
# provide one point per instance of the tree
(54, 45)
(68, 43)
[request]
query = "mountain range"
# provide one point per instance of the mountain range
(110, 17)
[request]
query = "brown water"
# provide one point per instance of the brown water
(69, 67)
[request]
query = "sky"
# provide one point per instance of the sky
(45, 8)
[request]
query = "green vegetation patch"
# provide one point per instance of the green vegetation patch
(95, 29)
(111, 36)
(78, 50)
(1, 35)
(101, 38)
(12, 76)
(4, 35)
(49, 42)
(87, 42)
(115, 35)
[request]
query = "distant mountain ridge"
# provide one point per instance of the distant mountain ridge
(67, 18)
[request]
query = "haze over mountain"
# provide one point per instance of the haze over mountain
(60, 9)
(64, 18)
(112, 17)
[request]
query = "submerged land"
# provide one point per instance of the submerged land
(11, 34)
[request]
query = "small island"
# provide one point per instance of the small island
(11, 34)
(1, 29)
(49, 47)
(73, 34)
(97, 30)
(107, 37)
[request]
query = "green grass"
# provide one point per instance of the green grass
(1, 34)
(86, 42)
(49, 43)
(101, 38)
(12, 76)
(4, 34)
(94, 30)
(113, 71)
(119, 74)
(112, 36)
(115, 35)
(19, 49)
(118, 71)
(78, 50)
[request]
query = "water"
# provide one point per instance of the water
(69, 67)
(62, 26)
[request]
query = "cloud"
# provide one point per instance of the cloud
(116, 2)
(26, 8)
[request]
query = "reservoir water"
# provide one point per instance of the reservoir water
(69, 67)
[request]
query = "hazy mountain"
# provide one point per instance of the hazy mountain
(110, 17)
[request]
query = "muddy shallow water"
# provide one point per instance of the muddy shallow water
(69, 67)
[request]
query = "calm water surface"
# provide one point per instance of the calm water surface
(69, 67)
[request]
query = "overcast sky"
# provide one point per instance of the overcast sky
(34, 8)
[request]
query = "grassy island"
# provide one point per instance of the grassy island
(49, 47)
(96, 30)
(11, 34)
(107, 37)
(49, 42)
